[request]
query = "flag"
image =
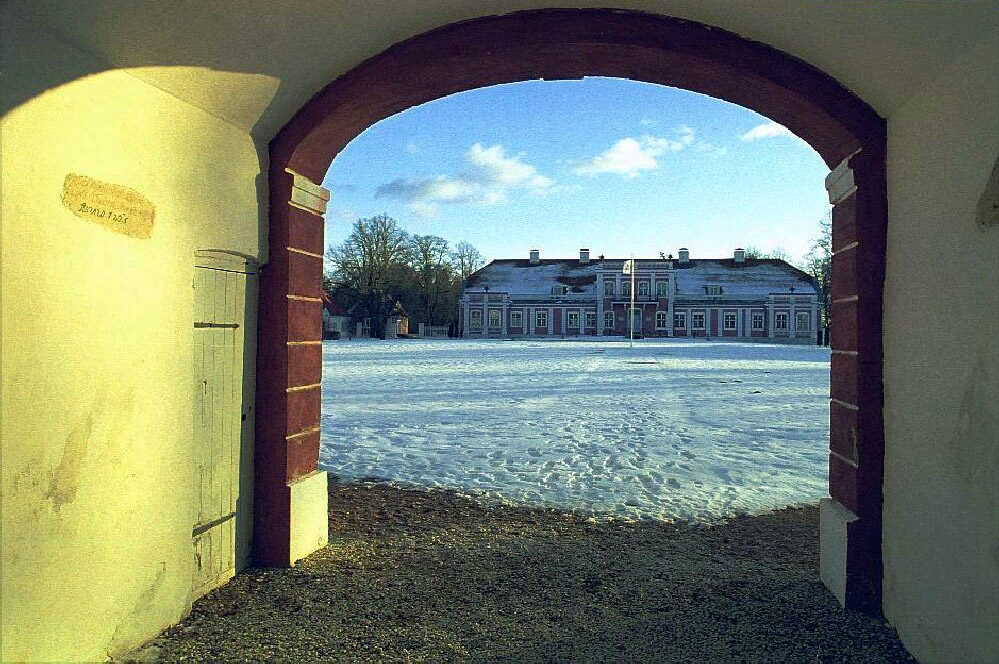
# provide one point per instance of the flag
(628, 266)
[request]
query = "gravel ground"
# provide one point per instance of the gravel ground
(439, 576)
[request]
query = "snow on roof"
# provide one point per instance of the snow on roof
(754, 277)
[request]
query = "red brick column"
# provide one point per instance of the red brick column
(856, 427)
(289, 362)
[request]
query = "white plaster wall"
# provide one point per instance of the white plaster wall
(97, 474)
(941, 527)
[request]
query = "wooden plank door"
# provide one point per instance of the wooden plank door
(224, 294)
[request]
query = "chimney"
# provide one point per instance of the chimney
(740, 256)
(684, 256)
(584, 256)
(535, 256)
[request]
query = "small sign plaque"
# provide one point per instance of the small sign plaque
(119, 209)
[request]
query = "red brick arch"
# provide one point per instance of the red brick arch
(567, 44)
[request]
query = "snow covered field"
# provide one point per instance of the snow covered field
(670, 429)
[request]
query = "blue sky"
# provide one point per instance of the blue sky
(613, 165)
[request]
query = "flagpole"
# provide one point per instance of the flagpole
(631, 312)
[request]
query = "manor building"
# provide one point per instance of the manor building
(740, 297)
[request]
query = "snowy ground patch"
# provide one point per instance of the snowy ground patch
(670, 429)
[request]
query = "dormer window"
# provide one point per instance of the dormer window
(713, 290)
(560, 290)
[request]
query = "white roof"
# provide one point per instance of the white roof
(758, 277)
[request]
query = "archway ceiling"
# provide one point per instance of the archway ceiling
(255, 62)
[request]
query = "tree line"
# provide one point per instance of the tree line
(380, 267)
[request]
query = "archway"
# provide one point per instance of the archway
(566, 44)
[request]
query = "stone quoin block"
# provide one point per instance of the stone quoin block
(305, 320)
(304, 408)
(844, 274)
(843, 482)
(303, 456)
(305, 231)
(305, 364)
(843, 377)
(843, 431)
(305, 275)
(844, 223)
(844, 325)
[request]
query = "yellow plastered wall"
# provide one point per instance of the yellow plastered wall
(97, 476)
(941, 516)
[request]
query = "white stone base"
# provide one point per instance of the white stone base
(833, 520)
(309, 514)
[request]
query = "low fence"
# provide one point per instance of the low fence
(432, 330)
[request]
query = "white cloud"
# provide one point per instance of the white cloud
(412, 148)
(630, 156)
(488, 178)
(767, 130)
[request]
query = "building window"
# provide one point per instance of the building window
(573, 319)
(475, 319)
(608, 288)
(494, 318)
(609, 319)
(780, 322)
(516, 319)
(626, 288)
(643, 288)
(591, 319)
(541, 319)
(802, 320)
(713, 290)
(729, 321)
(560, 290)
(757, 321)
(698, 321)
(662, 288)
(661, 319)
(680, 321)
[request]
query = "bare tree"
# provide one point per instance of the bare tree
(777, 252)
(434, 274)
(365, 267)
(467, 259)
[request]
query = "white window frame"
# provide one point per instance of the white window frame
(693, 320)
(541, 319)
(498, 315)
(608, 318)
(626, 288)
(758, 317)
(516, 319)
(680, 320)
(664, 316)
(608, 289)
(572, 319)
(780, 320)
(734, 318)
(643, 289)
(802, 316)
(662, 288)
(591, 319)
(475, 318)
